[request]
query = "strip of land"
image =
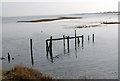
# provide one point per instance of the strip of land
(86, 26)
(96, 25)
(46, 20)
(110, 23)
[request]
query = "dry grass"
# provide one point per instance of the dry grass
(24, 74)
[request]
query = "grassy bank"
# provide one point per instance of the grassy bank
(24, 74)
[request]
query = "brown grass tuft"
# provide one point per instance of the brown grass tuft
(24, 74)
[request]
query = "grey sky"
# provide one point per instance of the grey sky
(50, 8)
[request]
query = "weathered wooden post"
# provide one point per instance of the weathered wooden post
(8, 57)
(88, 38)
(31, 50)
(64, 42)
(93, 37)
(82, 40)
(75, 38)
(68, 43)
(51, 55)
(47, 47)
(78, 41)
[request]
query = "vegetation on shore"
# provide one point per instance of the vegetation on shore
(24, 74)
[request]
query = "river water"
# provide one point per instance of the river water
(95, 60)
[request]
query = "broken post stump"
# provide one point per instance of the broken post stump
(8, 57)
(93, 37)
(78, 41)
(82, 40)
(64, 42)
(75, 38)
(31, 50)
(50, 47)
(47, 47)
(88, 38)
(68, 43)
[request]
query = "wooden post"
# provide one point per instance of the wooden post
(93, 37)
(47, 47)
(75, 38)
(64, 42)
(8, 57)
(51, 55)
(82, 40)
(88, 38)
(78, 41)
(68, 43)
(31, 50)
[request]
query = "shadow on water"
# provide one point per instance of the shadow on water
(75, 52)
(65, 52)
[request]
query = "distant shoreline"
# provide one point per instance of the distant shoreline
(110, 23)
(46, 20)
(96, 25)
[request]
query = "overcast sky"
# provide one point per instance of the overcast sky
(35, 7)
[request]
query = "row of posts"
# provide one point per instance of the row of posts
(49, 46)
(49, 43)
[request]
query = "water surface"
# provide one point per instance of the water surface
(98, 60)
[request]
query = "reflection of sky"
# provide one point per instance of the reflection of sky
(46, 8)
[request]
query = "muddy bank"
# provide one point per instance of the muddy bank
(25, 74)
(110, 23)
(46, 20)
(86, 26)
(96, 25)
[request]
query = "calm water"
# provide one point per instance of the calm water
(98, 60)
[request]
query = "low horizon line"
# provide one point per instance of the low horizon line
(66, 14)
